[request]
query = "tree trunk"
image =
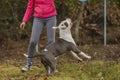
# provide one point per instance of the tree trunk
(78, 23)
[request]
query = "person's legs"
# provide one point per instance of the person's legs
(50, 22)
(36, 31)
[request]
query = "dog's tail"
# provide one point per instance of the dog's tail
(37, 55)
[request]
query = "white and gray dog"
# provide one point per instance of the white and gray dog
(64, 44)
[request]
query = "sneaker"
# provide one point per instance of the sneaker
(26, 68)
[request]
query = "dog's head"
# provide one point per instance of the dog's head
(64, 24)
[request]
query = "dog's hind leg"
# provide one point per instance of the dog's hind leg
(44, 62)
(53, 66)
(48, 70)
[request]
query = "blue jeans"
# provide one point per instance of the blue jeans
(38, 24)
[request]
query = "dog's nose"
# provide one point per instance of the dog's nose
(68, 19)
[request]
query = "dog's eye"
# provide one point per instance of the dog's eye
(62, 25)
(66, 24)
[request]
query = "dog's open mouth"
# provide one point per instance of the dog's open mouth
(63, 28)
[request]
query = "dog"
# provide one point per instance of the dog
(65, 33)
(64, 44)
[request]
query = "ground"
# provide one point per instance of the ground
(104, 65)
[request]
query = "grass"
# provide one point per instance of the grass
(68, 70)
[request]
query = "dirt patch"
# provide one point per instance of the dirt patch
(14, 50)
(101, 52)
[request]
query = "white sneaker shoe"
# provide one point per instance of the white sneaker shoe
(26, 68)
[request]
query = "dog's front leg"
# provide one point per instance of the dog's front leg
(76, 56)
(83, 54)
(76, 50)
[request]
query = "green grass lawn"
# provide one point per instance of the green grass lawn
(68, 70)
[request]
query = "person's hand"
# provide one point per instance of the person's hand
(22, 25)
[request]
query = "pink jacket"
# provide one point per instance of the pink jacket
(39, 8)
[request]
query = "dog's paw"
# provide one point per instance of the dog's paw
(80, 60)
(49, 75)
(89, 57)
